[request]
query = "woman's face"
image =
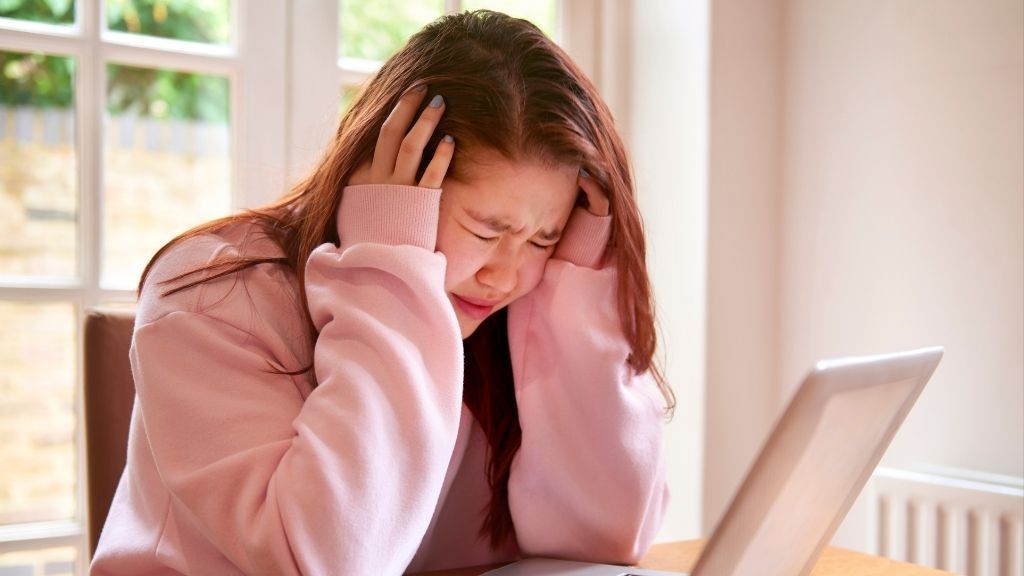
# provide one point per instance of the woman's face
(498, 226)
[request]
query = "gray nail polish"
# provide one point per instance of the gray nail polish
(448, 138)
(436, 101)
(584, 173)
(420, 88)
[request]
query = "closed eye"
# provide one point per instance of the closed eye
(541, 246)
(487, 239)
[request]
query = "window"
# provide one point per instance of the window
(119, 128)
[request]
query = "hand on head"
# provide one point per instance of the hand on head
(399, 150)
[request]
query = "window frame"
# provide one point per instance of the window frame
(254, 62)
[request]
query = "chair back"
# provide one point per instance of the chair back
(109, 396)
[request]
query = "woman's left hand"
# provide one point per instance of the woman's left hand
(596, 199)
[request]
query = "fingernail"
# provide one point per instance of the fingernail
(420, 88)
(436, 101)
(584, 173)
(448, 138)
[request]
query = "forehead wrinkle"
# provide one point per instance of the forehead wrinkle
(493, 222)
(498, 225)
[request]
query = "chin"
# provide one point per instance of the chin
(467, 329)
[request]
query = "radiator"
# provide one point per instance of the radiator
(963, 522)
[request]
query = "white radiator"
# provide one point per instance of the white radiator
(963, 522)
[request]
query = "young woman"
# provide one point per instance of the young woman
(434, 352)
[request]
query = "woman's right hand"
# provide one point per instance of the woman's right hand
(399, 150)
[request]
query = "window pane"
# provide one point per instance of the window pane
(167, 163)
(49, 11)
(207, 21)
(540, 12)
(37, 412)
(38, 166)
(376, 30)
(45, 562)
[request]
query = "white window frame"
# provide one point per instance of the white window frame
(255, 64)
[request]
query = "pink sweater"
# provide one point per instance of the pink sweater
(234, 468)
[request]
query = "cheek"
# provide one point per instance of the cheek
(462, 258)
(530, 275)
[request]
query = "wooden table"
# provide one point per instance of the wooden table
(682, 556)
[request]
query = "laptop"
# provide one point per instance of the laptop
(815, 462)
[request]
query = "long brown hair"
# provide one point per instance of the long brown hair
(507, 88)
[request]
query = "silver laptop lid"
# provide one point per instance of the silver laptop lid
(820, 454)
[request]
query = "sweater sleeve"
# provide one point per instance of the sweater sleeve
(588, 481)
(346, 480)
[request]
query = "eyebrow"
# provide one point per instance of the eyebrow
(500, 226)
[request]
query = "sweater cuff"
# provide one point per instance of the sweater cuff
(389, 214)
(585, 239)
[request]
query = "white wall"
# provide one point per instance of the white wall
(903, 209)
(745, 162)
(668, 133)
(897, 220)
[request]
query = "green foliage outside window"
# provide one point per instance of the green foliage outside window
(47, 81)
(371, 30)
(51, 11)
(36, 80)
(376, 30)
(166, 94)
(204, 21)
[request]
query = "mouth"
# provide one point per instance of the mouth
(475, 308)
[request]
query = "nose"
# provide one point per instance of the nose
(501, 271)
